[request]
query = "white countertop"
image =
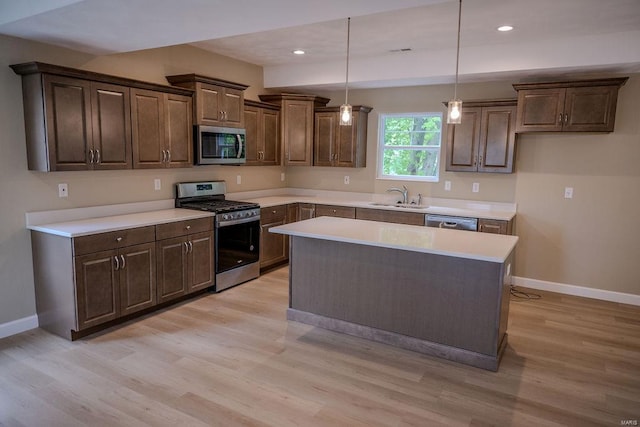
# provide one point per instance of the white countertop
(457, 243)
(84, 227)
(471, 209)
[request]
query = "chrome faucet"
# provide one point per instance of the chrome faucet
(404, 191)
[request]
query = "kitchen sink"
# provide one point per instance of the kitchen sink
(398, 205)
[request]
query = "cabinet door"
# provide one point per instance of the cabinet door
(292, 212)
(200, 259)
(297, 132)
(273, 247)
(540, 110)
(137, 271)
(497, 139)
(233, 107)
(271, 137)
(148, 128)
(171, 268)
(253, 137)
(463, 140)
(306, 211)
(324, 140)
(96, 289)
(209, 105)
(590, 109)
(179, 131)
(111, 119)
(68, 122)
(346, 143)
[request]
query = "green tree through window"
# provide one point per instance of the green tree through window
(409, 146)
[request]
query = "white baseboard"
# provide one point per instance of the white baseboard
(579, 291)
(17, 326)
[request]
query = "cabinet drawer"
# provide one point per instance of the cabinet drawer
(113, 240)
(494, 226)
(337, 211)
(411, 218)
(182, 228)
(273, 214)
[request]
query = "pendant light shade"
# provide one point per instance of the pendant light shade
(454, 110)
(346, 113)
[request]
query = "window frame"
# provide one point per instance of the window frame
(381, 148)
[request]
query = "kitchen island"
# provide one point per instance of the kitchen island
(440, 292)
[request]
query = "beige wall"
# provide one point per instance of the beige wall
(24, 191)
(591, 240)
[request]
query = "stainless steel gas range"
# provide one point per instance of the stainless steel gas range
(237, 230)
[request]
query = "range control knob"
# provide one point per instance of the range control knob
(225, 216)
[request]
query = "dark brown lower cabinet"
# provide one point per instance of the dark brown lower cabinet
(336, 211)
(111, 284)
(184, 265)
(274, 248)
(495, 226)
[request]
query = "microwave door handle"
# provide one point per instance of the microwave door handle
(239, 138)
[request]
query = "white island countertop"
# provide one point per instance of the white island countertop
(456, 243)
(83, 227)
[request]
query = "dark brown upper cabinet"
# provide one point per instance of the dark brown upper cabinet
(340, 146)
(80, 120)
(217, 102)
(485, 139)
(162, 129)
(296, 125)
(578, 106)
(262, 125)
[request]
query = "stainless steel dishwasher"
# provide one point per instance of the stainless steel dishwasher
(452, 222)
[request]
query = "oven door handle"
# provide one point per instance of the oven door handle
(239, 139)
(238, 221)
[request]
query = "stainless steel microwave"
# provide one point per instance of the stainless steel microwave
(219, 146)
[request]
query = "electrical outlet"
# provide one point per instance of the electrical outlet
(157, 184)
(238, 179)
(346, 179)
(568, 192)
(475, 187)
(447, 186)
(282, 177)
(63, 190)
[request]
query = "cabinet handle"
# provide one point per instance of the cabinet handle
(475, 160)
(480, 159)
(566, 118)
(123, 263)
(117, 262)
(334, 211)
(97, 156)
(90, 156)
(186, 247)
(118, 239)
(188, 227)
(164, 156)
(168, 156)
(274, 211)
(190, 246)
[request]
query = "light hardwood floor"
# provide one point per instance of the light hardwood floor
(232, 359)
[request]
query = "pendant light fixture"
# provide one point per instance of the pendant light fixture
(454, 110)
(346, 113)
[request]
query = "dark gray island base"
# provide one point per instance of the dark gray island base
(450, 307)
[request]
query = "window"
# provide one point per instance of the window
(409, 146)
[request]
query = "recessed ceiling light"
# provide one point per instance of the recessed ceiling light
(299, 52)
(505, 28)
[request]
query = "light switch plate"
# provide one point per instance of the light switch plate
(568, 192)
(347, 179)
(447, 186)
(238, 179)
(157, 184)
(475, 187)
(282, 177)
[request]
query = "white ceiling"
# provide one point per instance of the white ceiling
(551, 37)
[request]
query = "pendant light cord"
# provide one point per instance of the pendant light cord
(455, 87)
(346, 80)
